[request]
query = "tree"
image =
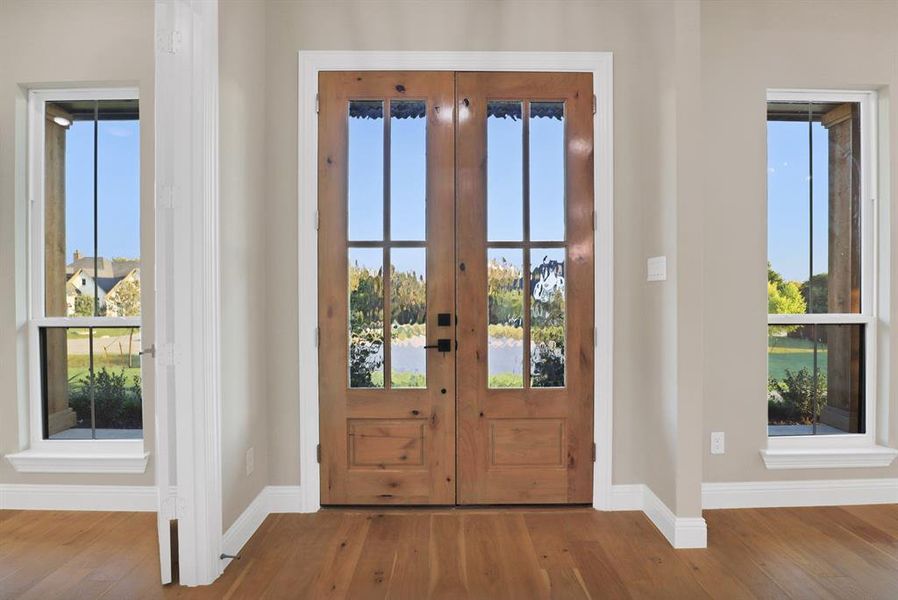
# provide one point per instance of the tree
(124, 299)
(783, 297)
(815, 291)
(84, 306)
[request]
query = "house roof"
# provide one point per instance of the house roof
(105, 267)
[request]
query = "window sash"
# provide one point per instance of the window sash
(37, 319)
(819, 319)
(870, 275)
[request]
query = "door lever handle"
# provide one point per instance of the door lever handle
(442, 345)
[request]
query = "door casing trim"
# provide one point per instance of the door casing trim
(600, 64)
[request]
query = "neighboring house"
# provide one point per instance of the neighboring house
(123, 300)
(80, 283)
(116, 285)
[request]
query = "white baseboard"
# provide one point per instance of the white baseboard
(681, 532)
(138, 498)
(628, 497)
(245, 526)
(272, 499)
(769, 494)
(284, 499)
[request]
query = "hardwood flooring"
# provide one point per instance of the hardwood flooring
(838, 552)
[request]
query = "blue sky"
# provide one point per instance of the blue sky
(119, 187)
(407, 183)
(118, 150)
(788, 213)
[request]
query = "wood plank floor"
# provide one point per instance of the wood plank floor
(839, 552)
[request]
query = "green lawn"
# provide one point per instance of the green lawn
(81, 333)
(793, 354)
(79, 364)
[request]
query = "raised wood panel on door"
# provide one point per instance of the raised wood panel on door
(385, 446)
(524, 445)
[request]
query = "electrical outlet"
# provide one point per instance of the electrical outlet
(718, 443)
(250, 461)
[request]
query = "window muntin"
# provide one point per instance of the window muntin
(821, 322)
(86, 303)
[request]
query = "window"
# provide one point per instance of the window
(821, 278)
(84, 272)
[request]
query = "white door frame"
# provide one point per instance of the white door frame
(313, 62)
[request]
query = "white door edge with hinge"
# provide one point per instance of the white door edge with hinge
(313, 62)
(188, 400)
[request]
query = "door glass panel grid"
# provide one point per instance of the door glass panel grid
(387, 276)
(514, 338)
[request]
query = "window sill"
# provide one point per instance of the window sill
(31, 461)
(828, 458)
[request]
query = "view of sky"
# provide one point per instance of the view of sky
(788, 184)
(407, 183)
(118, 201)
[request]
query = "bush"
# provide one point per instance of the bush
(791, 399)
(548, 366)
(364, 358)
(117, 405)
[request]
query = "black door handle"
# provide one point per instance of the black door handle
(442, 345)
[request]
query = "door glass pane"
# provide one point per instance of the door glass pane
(547, 317)
(366, 170)
(505, 171)
(815, 379)
(408, 308)
(408, 169)
(505, 281)
(366, 313)
(91, 383)
(547, 171)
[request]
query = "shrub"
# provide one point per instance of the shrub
(364, 358)
(117, 404)
(796, 389)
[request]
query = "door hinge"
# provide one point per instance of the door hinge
(317, 106)
(164, 354)
(593, 452)
(317, 336)
(171, 506)
(595, 221)
(317, 220)
(169, 42)
(593, 104)
(318, 453)
(165, 197)
(595, 336)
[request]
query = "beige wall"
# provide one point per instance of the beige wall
(689, 169)
(747, 48)
(641, 35)
(60, 43)
(244, 418)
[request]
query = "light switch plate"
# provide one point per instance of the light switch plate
(656, 268)
(250, 461)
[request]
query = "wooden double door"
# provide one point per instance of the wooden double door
(456, 287)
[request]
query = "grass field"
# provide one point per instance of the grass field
(793, 354)
(79, 365)
(81, 332)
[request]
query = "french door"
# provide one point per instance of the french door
(455, 283)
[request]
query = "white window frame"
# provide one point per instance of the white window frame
(62, 456)
(850, 449)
